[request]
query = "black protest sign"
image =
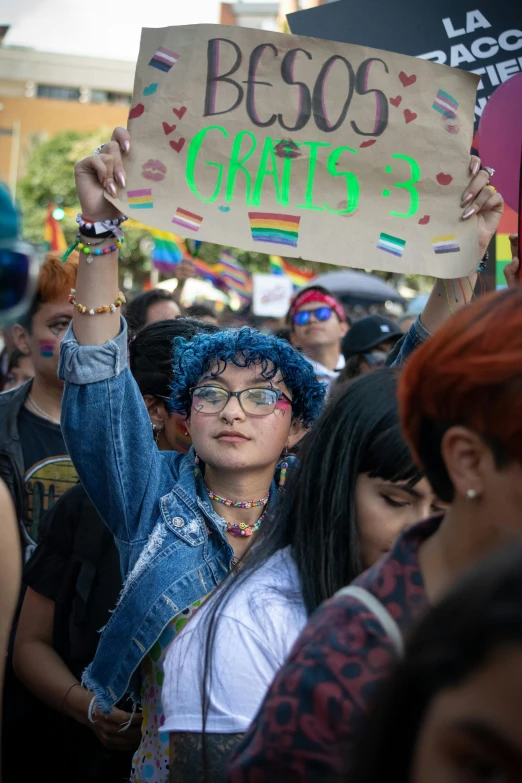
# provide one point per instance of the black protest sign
(482, 36)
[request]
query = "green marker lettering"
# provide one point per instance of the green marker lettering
(237, 164)
(263, 171)
(352, 183)
(409, 186)
(312, 163)
(193, 152)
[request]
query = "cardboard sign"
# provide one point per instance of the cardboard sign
(272, 295)
(280, 144)
(481, 36)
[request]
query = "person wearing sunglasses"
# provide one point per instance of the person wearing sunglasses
(367, 345)
(318, 323)
(179, 521)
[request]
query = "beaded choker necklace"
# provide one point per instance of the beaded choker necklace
(237, 503)
(241, 529)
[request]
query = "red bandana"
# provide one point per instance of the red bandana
(317, 296)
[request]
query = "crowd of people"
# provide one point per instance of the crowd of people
(254, 556)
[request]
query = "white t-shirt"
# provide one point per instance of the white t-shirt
(255, 633)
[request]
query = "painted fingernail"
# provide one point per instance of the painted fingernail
(126, 145)
(476, 167)
(112, 189)
(467, 199)
(120, 178)
(468, 213)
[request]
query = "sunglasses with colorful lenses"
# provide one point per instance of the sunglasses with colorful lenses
(321, 314)
(19, 265)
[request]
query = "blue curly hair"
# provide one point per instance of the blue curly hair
(245, 347)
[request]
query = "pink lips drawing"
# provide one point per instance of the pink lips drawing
(154, 170)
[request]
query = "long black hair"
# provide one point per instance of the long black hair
(482, 612)
(358, 432)
(151, 352)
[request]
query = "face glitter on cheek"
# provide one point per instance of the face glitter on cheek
(282, 404)
(47, 348)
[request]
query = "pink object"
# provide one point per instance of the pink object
(500, 138)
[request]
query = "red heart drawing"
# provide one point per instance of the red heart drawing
(396, 101)
(368, 143)
(409, 116)
(137, 111)
(168, 128)
(180, 113)
(177, 145)
(444, 179)
(407, 80)
(424, 220)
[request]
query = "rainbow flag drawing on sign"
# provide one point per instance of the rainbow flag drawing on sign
(168, 250)
(280, 266)
(447, 244)
(140, 199)
(274, 228)
(187, 219)
(393, 245)
(163, 59)
(234, 276)
(445, 104)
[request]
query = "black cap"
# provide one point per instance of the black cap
(367, 333)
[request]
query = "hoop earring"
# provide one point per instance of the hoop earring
(156, 429)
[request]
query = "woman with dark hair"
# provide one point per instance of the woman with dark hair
(458, 689)
(461, 400)
(356, 489)
(151, 306)
(74, 581)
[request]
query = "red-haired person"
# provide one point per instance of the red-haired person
(33, 457)
(461, 401)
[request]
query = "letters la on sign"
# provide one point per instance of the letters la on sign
(305, 148)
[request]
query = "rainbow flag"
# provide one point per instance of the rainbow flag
(234, 276)
(274, 228)
(280, 266)
(52, 234)
(168, 251)
(210, 272)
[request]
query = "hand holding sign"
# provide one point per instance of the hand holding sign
(284, 137)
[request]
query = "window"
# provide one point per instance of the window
(58, 93)
(102, 96)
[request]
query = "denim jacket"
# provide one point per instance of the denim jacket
(172, 544)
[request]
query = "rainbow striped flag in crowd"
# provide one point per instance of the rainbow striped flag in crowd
(280, 266)
(52, 234)
(234, 276)
(168, 250)
(208, 271)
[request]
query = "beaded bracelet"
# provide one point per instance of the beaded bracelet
(484, 262)
(96, 310)
(84, 247)
(101, 228)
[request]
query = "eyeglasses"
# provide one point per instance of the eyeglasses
(19, 264)
(254, 402)
(321, 314)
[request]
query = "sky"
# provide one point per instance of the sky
(96, 28)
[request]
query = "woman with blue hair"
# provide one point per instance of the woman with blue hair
(180, 521)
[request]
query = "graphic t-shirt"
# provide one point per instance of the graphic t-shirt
(49, 471)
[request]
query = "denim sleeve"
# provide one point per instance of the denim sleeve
(416, 335)
(108, 435)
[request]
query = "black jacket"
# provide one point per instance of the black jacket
(12, 468)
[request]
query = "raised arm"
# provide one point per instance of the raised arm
(449, 296)
(104, 419)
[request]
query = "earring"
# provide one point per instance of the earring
(284, 468)
(471, 494)
(156, 429)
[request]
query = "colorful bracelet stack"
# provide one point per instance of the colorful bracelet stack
(83, 310)
(100, 228)
(85, 247)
